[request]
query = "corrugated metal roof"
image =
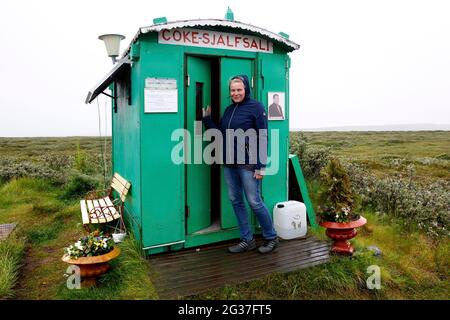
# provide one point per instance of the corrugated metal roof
(214, 23)
(120, 66)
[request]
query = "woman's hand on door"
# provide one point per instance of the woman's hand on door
(257, 176)
(206, 111)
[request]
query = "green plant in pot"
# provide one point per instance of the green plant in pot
(336, 209)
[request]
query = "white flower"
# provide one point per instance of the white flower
(78, 245)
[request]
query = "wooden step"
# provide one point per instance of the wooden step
(193, 271)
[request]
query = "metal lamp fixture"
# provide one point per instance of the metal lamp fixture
(112, 43)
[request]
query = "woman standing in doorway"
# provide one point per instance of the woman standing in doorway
(244, 170)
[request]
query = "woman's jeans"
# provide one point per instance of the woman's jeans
(239, 180)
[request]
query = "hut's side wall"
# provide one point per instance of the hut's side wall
(126, 142)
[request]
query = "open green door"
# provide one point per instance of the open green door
(198, 175)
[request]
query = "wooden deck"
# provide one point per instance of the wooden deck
(193, 271)
(6, 229)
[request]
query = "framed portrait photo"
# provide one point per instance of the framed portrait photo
(276, 105)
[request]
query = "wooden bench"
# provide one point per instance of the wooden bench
(99, 208)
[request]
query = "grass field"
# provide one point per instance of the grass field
(32, 147)
(42, 198)
(388, 152)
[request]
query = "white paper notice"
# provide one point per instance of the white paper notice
(160, 95)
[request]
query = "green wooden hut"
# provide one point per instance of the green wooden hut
(168, 72)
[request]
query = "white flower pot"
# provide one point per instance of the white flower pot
(118, 237)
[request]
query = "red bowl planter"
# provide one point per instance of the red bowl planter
(341, 233)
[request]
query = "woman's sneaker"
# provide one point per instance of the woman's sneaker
(242, 246)
(268, 246)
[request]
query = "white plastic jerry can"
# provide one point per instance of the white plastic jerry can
(289, 218)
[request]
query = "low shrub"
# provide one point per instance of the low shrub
(12, 168)
(402, 196)
(79, 184)
(313, 158)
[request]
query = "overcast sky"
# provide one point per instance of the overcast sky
(360, 62)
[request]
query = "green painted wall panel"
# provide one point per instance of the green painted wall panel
(126, 146)
(299, 179)
(273, 71)
(162, 181)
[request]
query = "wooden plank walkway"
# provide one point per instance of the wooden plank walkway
(6, 229)
(194, 271)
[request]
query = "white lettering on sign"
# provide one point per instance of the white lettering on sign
(214, 39)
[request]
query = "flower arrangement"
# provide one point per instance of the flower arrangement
(337, 200)
(94, 244)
